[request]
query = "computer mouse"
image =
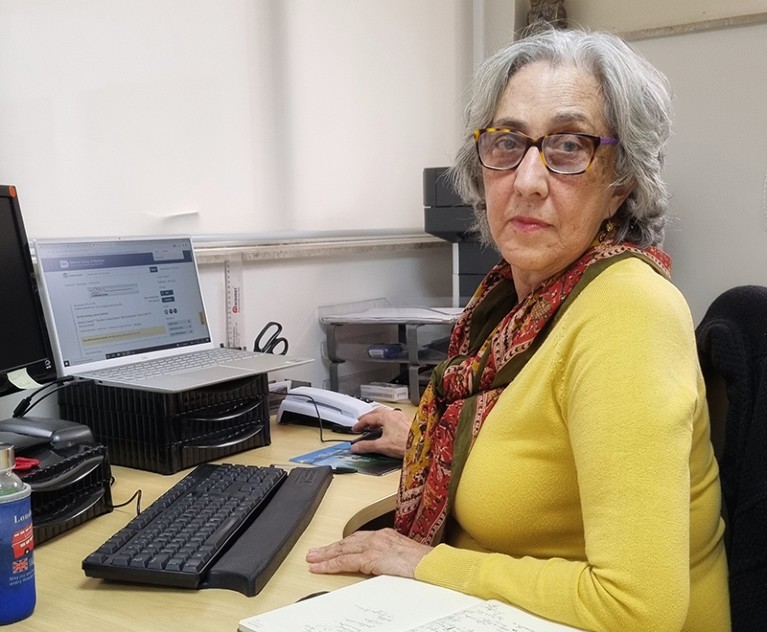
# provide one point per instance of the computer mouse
(369, 435)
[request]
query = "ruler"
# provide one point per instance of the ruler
(234, 305)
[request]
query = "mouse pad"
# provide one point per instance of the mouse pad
(341, 456)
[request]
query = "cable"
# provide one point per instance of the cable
(26, 404)
(319, 418)
(137, 495)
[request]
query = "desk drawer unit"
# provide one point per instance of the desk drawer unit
(70, 485)
(166, 433)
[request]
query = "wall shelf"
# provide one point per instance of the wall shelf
(355, 332)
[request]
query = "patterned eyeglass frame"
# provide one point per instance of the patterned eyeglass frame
(538, 144)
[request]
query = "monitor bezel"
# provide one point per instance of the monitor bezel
(40, 366)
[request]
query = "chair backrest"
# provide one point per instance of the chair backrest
(732, 345)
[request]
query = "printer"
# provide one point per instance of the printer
(447, 217)
(68, 472)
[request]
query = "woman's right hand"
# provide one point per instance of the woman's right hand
(395, 426)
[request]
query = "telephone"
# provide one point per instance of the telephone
(29, 432)
(337, 411)
(68, 472)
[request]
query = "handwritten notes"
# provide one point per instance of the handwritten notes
(395, 604)
(355, 618)
(490, 616)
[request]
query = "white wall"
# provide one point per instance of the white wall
(228, 116)
(717, 159)
(373, 93)
(625, 17)
(117, 115)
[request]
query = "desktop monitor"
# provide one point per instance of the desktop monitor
(24, 340)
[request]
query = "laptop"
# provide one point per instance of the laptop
(119, 310)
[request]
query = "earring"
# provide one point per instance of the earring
(609, 227)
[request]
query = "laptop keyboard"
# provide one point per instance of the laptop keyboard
(148, 369)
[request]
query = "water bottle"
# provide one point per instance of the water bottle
(17, 565)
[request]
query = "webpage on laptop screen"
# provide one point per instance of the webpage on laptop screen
(114, 301)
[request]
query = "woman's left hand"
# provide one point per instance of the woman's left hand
(383, 552)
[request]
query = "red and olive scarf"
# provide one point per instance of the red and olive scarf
(491, 342)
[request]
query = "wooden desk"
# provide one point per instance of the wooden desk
(68, 601)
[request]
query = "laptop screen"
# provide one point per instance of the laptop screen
(108, 300)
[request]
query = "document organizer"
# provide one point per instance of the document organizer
(70, 486)
(169, 432)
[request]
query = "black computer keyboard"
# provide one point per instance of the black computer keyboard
(221, 526)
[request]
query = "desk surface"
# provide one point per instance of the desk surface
(67, 600)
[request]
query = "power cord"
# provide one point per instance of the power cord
(137, 495)
(26, 404)
(319, 418)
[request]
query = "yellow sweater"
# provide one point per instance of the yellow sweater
(591, 495)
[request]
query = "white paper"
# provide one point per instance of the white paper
(491, 616)
(379, 604)
(22, 380)
(398, 315)
(395, 604)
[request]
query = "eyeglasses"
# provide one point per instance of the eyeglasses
(568, 154)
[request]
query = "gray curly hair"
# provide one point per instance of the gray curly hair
(637, 104)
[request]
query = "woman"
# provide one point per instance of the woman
(560, 459)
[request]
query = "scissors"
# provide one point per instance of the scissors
(269, 339)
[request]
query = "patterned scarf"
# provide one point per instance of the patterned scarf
(491, 342)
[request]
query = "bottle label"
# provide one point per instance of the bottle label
(17, 566)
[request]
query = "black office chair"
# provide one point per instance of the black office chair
(732, 345)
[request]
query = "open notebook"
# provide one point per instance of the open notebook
(129, 312)
(396, 604)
